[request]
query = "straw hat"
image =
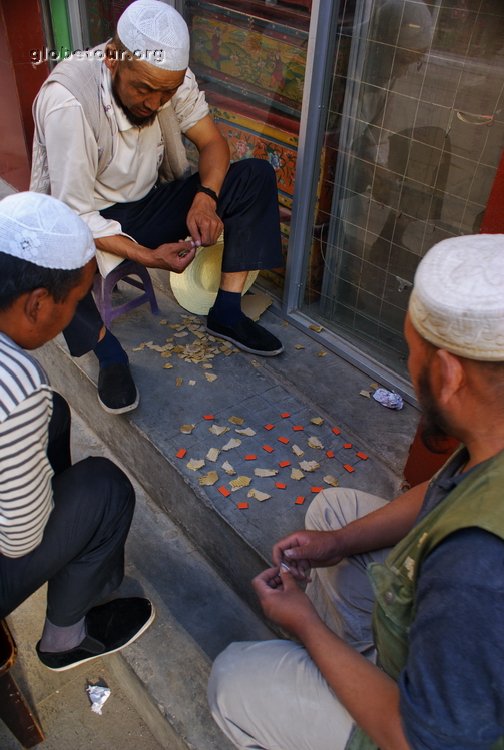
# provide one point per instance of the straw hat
(196, 288)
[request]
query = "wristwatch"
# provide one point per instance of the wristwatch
(208, 191)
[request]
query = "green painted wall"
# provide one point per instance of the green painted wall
(60, 24)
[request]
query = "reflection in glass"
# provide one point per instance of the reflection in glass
(417, 117)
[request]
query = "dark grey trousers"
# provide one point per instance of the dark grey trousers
(81, 555)
(248, 207)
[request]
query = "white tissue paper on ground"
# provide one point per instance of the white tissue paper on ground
(388, 398)
(98, 694)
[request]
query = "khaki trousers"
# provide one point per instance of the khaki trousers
(270, 695)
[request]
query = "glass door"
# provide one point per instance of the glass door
(416, 118)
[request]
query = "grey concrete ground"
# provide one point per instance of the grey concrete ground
(158, 684)
(60, 699)
(184, 529)
(168, 355)
(61, 702)
(305, 382)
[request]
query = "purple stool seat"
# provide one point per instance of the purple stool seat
(103, 287)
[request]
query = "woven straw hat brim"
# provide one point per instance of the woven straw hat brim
(196, 288)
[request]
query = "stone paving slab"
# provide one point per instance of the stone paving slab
(60, 701)
(299, 382)
(158, 684)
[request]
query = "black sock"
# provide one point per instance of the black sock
(109, 351)
(227, 307)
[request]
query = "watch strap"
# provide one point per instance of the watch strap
(208, 191)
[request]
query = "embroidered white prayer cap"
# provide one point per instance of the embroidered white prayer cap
(45, 231)
(457, 302)
(156, 33)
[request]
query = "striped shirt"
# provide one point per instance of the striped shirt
(26, 498)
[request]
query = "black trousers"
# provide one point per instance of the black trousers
(81, 555)
(248, 207)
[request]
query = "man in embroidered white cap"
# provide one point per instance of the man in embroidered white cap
(61, 523)
(108, 142)
(415, 585)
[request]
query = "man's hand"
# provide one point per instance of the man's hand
(370, 696)
(203, 223)
(173, 256)
(284, 602)
(307, 549)
(379, 529)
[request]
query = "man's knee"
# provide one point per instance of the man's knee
(257, 172)
(334, 508)
(100, 484)
(264, 173)
(110, 479)
(240, 670)
(262, 167)
(320, 514)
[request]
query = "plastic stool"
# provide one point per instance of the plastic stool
(103, 287)
(14, 709)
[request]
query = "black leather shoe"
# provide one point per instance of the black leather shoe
(246, 335)
(110, 627)
(117, 393)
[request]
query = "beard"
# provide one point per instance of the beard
(435, 430)
(135, 120)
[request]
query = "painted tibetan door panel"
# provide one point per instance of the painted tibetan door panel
(255, 57)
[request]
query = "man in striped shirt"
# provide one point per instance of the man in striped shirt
(59, 523)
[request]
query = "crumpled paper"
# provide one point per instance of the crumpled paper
(98, 694)
(388, 398)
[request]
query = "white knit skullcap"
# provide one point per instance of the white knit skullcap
(44, 231)
(457, 302)
(156, 33)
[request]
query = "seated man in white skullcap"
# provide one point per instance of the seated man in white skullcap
(398, 638)
(59, 523)
(108, 142)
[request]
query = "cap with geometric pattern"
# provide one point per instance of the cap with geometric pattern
(156, 33)
(43, 230)
(457, 302)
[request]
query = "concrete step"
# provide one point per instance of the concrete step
(191, 549)
(300, 383)
(158, 684)
(59, 699)
(166, 671)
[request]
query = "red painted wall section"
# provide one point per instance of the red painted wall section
(493, 220)
(20, 31)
